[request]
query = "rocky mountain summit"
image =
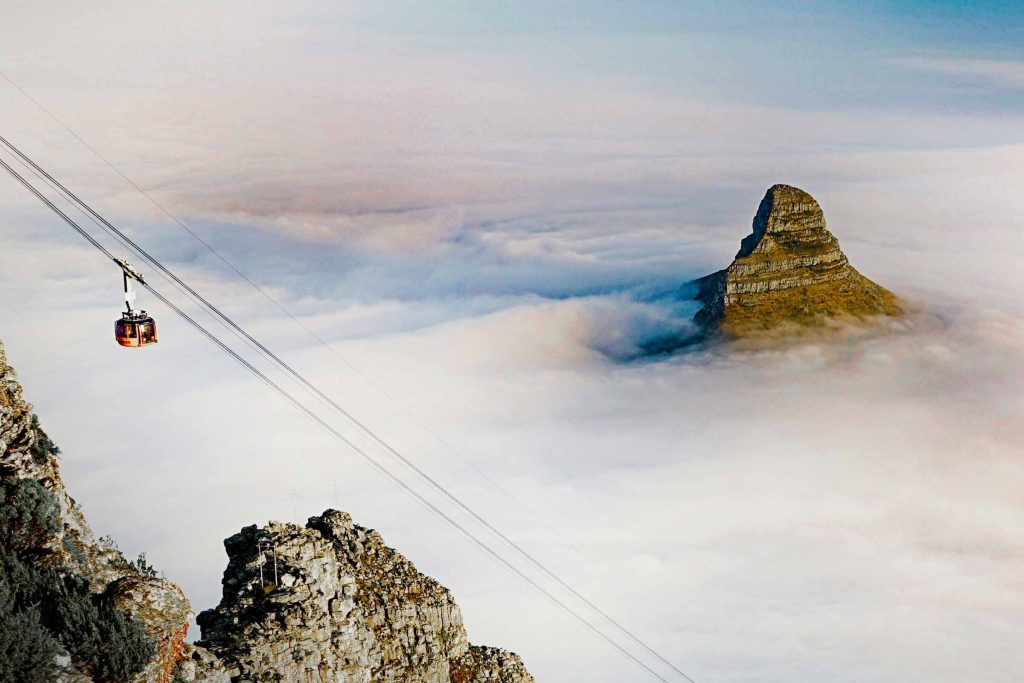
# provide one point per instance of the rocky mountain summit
(788, 273)
(328, 602)
(331, 602)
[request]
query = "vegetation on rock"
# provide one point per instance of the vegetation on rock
(28, 650)
(28, 520)
(45, 610)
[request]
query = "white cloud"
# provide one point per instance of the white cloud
(484, 241)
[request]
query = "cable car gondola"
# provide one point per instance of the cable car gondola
(134, 329)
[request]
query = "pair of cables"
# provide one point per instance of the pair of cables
(259, 347)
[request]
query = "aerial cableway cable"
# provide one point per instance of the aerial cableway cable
(277, 304)
(617, 625)
(287, 396)
(341, 437)
(254, 343)
(284, 366)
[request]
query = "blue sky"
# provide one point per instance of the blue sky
(474, 203)
(815, 55)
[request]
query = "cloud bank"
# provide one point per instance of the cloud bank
(485, 228)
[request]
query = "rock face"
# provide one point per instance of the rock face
(330, 602)
(158, 605)
(789, 272)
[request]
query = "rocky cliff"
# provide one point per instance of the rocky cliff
(788, 273)
(70, 547)
(333, 603)
(330, 602)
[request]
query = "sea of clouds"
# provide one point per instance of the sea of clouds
(488, 245)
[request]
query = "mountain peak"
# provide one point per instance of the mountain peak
(788, 271)
(786, 212)
(332, 598)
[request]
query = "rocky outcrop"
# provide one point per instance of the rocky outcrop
(489, 664)
(158, 605)
(788, 272)
(163, 611)
(330, 602)
(16, 424)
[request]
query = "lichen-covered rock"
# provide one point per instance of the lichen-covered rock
(330, 602)
(163, 611)
(200, 666)
(16, 434)
(489, 664)
(789, 271)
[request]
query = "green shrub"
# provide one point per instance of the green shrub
(46, 607)
(110, 643)
(143, 567)
(42, 446)
(28, 650)
(103, 640)
(28, 517)
(27, 647)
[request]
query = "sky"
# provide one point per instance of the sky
(484, 208)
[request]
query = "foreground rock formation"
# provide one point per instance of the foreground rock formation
(338, 605)
(157, 605)
(788, 273)
(330, 602)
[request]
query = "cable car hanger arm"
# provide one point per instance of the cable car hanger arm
(129, 270)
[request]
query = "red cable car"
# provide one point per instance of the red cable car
(135, 329)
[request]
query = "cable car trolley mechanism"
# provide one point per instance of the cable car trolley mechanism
(134, 329)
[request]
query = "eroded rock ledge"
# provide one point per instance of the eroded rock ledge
(340, 606)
